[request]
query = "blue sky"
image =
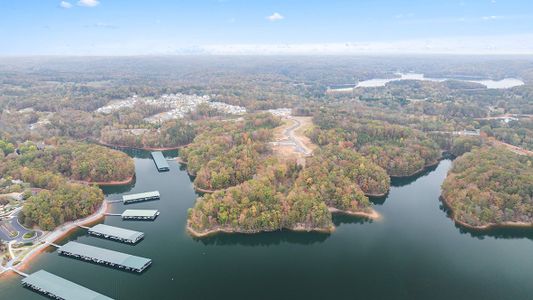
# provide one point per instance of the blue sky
(130, 27)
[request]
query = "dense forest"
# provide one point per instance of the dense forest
(228, 153)
(76, 161)
(54, 170)
(490, 186)
(283, 195)
(363, 136)
(464, 144)
(515, 132)
(68, 201)
(171, 134)
(260, 204)
(400, 150)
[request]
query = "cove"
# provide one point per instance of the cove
(414, 252)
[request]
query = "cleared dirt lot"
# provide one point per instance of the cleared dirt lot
(290, 142)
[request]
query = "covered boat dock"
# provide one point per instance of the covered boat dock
(140, 214)
(56, 287)
(104, 256)
(116, 233)
(160, 161)
(131, 198)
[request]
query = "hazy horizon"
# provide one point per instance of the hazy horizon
(233, 27)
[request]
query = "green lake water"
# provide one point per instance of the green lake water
(414, 252)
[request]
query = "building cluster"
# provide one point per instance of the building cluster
(227, 108)
(467, 132)
(281, 112)
(177, 104)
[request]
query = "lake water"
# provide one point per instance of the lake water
(414, 252)
(490, 84)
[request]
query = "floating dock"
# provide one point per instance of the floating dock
(140, 214)
(56, 287)
(116, 233)
(104, 256)
(131, 198)
(160, 161)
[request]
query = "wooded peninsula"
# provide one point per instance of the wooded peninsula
(241, 133)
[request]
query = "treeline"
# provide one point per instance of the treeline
(464, 144)
(229, 153)
(171, 134)
(52, 170)
(76, 161)
(260, 204)
(6, 148)
(515, 132)
(400, 150)
(67, 202)
(58, 201)
(490, 186)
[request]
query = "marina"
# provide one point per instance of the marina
(140, 214)
(116, 233)
(412, 219)
(57, 287)
(132, 198)
(160, 161)
(104, 256)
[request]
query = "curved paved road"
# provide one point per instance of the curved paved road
(291, 139)
(15, 224)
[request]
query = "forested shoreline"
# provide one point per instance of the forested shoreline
(490, 187)
(363, 137)
(56, 172)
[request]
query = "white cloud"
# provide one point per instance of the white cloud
(88, 3)
(65, 4)
(490, 18)
(275, 17)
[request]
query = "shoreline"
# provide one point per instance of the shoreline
(102, 143)
(378, 195)
(210, 232)
(424, 168)
(181, 161)
(373, 215)
(107, 183)
(59, 233)
(198, 189)
(486, 227)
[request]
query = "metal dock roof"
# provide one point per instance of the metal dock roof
(60, 288)
(105, 255)
(140, 213)
(145, 195)
(121, 233)
(160, 161)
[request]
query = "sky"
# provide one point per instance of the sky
(158, 27)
